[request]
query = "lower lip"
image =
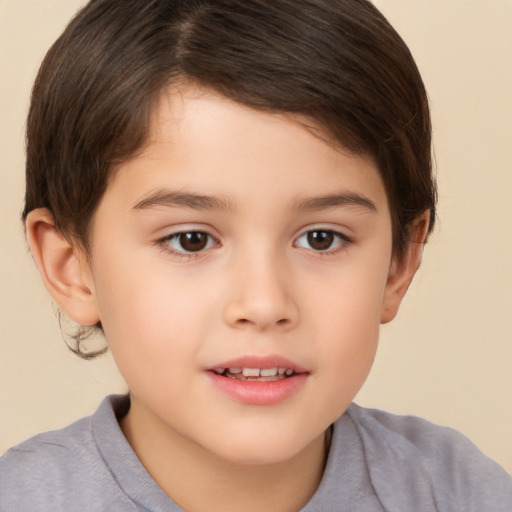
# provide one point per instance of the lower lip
(253, 392)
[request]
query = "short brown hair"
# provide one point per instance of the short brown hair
(336, 62)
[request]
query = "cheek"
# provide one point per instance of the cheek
(348, 338)
(346, 355)
(349, 300)
(147, 313)
(347, 333)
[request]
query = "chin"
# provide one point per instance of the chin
(261, 449)
(257, 458)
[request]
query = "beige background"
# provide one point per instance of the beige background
(447, 357)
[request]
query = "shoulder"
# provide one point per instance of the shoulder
(49, 454)
(439, 461)
(44, 471)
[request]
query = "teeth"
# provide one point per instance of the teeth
(254, 372)
(251, 372)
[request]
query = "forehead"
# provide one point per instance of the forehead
(196, 113)
(201, 140)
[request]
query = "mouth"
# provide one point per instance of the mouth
(256, 374)
(258, 380)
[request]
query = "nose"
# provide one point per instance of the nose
(261, 295)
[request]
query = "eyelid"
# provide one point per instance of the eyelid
(344, 240)
(177, 237)
(162, 241)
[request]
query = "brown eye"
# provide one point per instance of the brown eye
(193, 241)
(189, 242)
(320, 240)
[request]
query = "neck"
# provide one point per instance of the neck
(198, 480)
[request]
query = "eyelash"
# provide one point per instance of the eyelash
(340, 239)
(164, 243)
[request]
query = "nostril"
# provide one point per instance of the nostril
(252, 313)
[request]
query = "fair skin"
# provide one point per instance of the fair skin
(288, 264)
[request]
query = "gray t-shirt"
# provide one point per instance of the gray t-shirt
(377, 462)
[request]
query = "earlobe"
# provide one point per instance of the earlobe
(64, 275)
(402, 270)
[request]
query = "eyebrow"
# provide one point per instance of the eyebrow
(170, 198)
(335, 200)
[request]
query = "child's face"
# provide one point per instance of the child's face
(291, 256)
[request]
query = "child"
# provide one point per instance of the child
(236, 193)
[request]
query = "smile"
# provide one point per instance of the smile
(258, 380)
(256, 374)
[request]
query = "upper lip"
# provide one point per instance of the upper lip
(255, 361)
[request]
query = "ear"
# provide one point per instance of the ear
(63, 269)
(402, 270)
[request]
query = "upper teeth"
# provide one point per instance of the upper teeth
(257, 372)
